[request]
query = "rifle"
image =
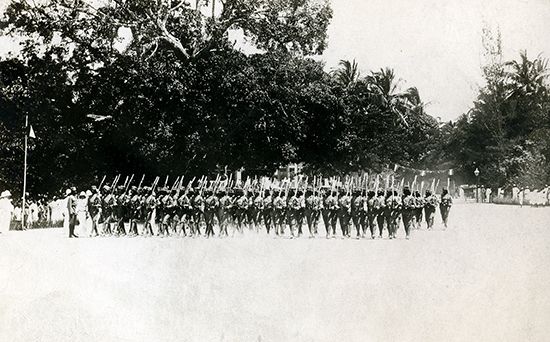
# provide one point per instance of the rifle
(166, 182)
(115, 182)
(141, 181)
(175, 184)
(101, 183)
(155, 182)
(128, 185)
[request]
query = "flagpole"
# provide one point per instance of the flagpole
(25, 173)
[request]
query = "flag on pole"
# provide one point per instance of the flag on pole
(31, 132)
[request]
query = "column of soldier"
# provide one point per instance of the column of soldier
(356, 205)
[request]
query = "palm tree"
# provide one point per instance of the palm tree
(384, 89)
(347, 74)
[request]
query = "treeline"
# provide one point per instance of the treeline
(176, 110)
(506, 133)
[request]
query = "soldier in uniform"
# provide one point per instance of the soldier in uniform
(198, 212)
(393, 212)
(293, 211)
(223, 213)
(135, 210)
(95, 210)
(121, 210)
(358, 212)
(211, 205)
(259, 209)
(241, 209)
(268, 211)
(445, 206)
(331, 204)
(150, 213)
(186, 213)
(419, 208)
(251, 211)
(429, 208)
(408, 210)
(380, 211)
(313, 209)
(344, 203)
(371, 213)
(279, 206)
(167, 206)
(109, 203)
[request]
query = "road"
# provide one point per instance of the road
(485, 278)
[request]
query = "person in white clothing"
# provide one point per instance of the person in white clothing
(6, 211)
(82, 214)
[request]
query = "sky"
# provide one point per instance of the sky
(434, 45)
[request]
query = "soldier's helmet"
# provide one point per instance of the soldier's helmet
(82, 194)
(380, 193)
(94, 188)
(406, 191)
(428, 193)
(417, 193)
(371, 194)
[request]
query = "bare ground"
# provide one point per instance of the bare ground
(486, 278)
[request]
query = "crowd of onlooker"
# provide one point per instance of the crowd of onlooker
(515, 195)
(39, 213)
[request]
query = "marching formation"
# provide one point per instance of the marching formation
(283, 208)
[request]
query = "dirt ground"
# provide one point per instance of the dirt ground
(486, 278)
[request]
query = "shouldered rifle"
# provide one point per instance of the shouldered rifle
(141, 181)
(102, 181)
(128, 185)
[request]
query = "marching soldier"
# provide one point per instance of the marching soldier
(313, 210)
(211, 204)
(419, 209)
(198, 212)
(393, 211)
(408, 210)
(445, 206)
(331, 204)
(135, 210)
(121, 211)
(279, 205)
(380, 211)
(259, 209)
(358, 213)
(223, 213)
(167, 206)
(184, 205)
(95, 210)
(109, 202)
(294, 207)
(429, 208)
(268, 212)
(242, 208)
(150, 213)
(371, 213)
(345, 212)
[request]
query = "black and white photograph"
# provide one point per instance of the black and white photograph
(274, 170)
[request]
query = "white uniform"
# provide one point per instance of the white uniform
(6, 211)
(82, 216)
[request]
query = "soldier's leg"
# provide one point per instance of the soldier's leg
(356, 223)
(325, 213)
(315, 218)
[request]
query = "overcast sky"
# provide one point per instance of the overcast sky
(434, 45)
